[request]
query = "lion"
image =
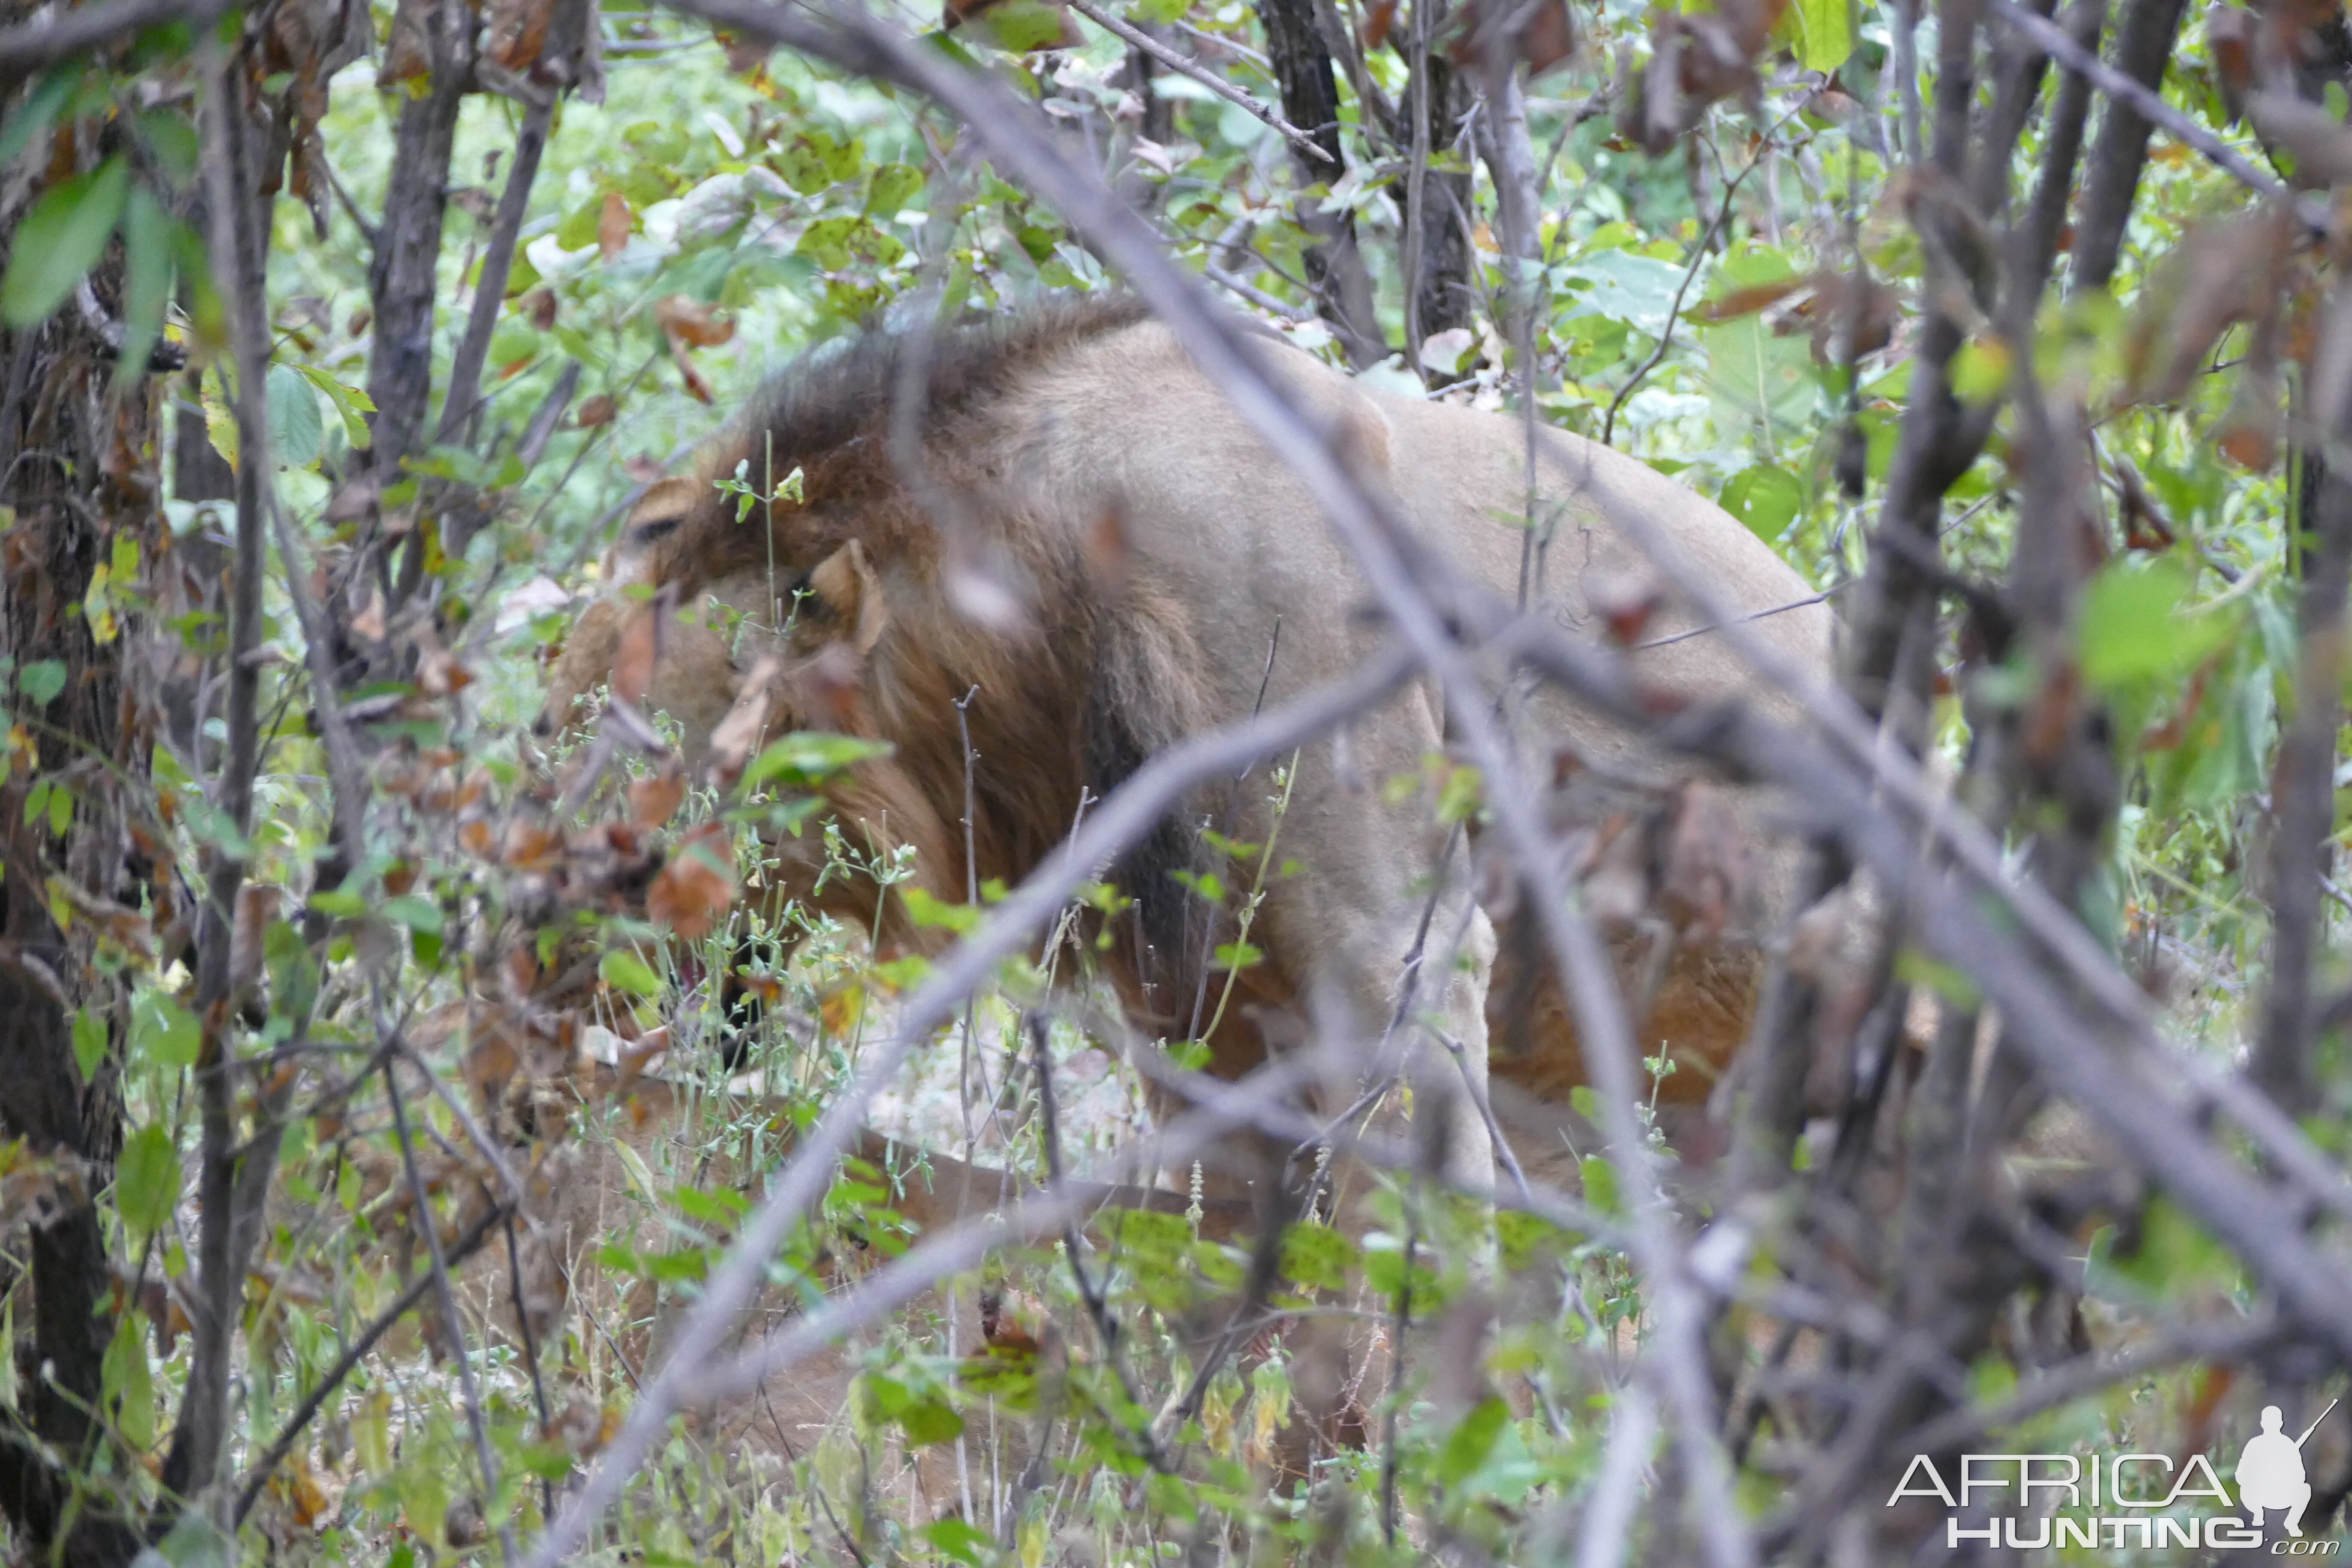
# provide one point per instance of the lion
(1057, 522)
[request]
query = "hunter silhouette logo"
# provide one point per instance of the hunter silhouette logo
(2269, 1472)
(2146, 1500)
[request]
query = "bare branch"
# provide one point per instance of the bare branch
(464, 397)
(1136, 39)
(61, 33)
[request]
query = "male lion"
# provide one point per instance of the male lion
(1164, 572)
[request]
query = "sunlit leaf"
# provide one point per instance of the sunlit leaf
(1767, 497)
(624, 970)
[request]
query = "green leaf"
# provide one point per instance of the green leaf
(816, 160)
(937, 914)
(1980, 370)
(930, 1421)
(807, 757)
(40, 682)
(146, 1181)
(1767, 497)
(349, 401)
(293, 972)
(295, 431)
(89, 1043)
(146, 279)
(962, 1541)
(2133, 627)
(418, 914)
(1316, 1256)
(894, 186)
(40, 107)
(1467, 1445)
(163, 1032)
(174, 141)
(1600, 1184)
(624, 970)
(60, 239)
(220, 414)
(341, 902)
(126, 1383)
(198, 1542)
(1825, 34)
(1160, 11)
(1638, 290)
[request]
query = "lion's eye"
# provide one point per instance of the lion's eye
(647, 532)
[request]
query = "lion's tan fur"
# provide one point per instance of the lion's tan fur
(1076, 462)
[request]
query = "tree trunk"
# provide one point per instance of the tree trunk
(80, 477)
(1310, 101)
(1437, 203)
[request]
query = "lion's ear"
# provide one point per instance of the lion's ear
(851, 593)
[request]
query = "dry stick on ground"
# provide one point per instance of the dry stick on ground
(466, 1244)
(1131, 812)
(1134, 38)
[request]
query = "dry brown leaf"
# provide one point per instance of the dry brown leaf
(632, 665)
(1501, 32)
(515, 31)
(2218, 276)
(1379, 17)
(695, 386)
(1749, 300)
(408, 52)
(654, 799)
(539, 308)
(1841, 303)
(597, 410)
(698, 324)
(746, 722)
(696, 885)
(2230, 33)
(612, 225)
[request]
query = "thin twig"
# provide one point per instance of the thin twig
(2150, 106)
(1132, 811)
(468, 1243)
(59, 35)
(464, 398)
(1136, 39)
(452, 1322)
(1699, 254)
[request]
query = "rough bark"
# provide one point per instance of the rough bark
(1437, 201)
(1310, 101)
(80, 480)
(2143, 45)
(404, 282)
